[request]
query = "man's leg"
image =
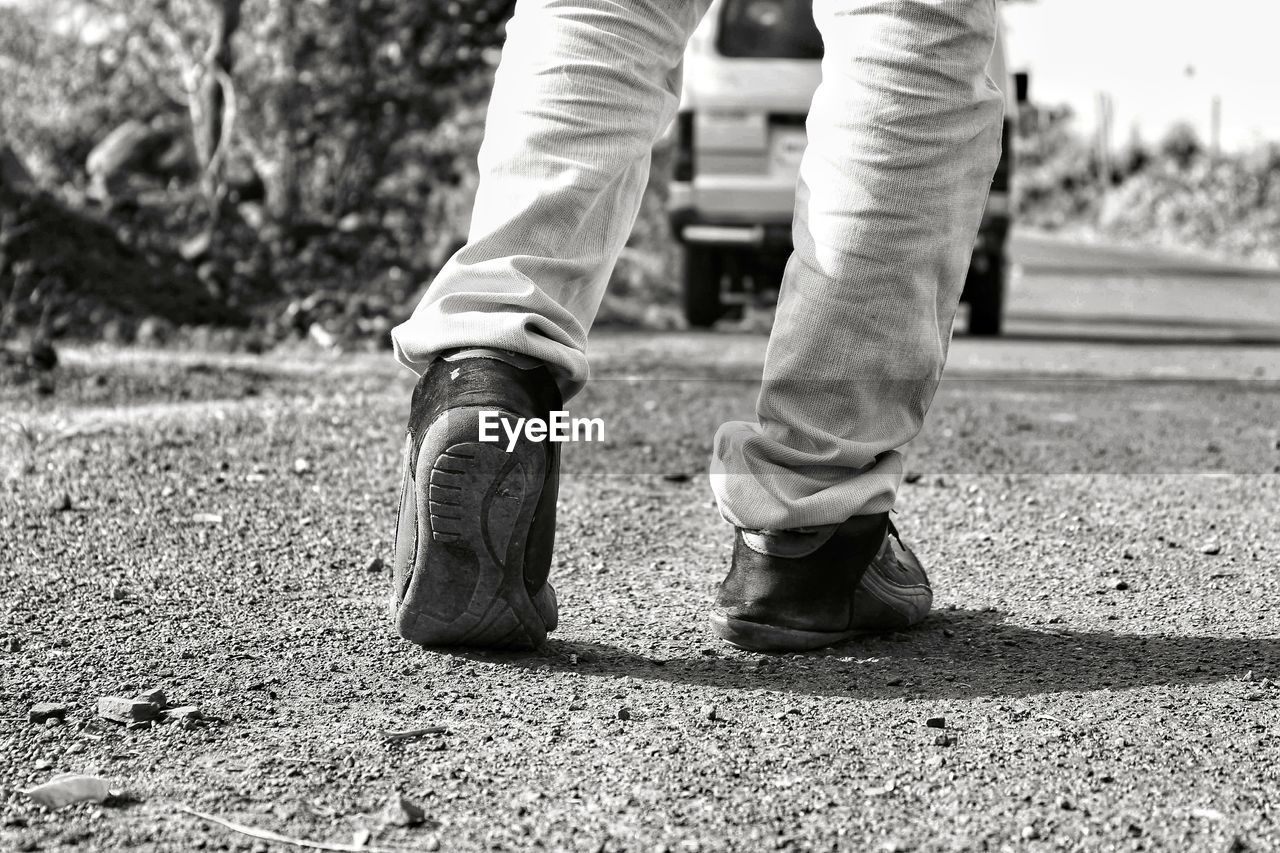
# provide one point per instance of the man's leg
(904, 136)
(583, 90)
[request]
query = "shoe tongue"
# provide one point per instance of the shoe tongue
(798, 542)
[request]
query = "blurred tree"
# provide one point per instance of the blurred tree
(354, 84)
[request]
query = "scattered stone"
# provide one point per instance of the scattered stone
(883, 789)
(677, 477)
(301, 466)
(936, 722)
(943, 740)
(67, 789)
(1212, 549)
(206, 518)
(709, 712)
(1120, 585)
(42, 712)
(948, 633)
(61, 504)
(400, 811)
(1030, 833)
(376, 566)
(120, 710)
(1065, 804)
(894, 682)
(322, 336)
(361, 837)
(197, 247)
(53, 722)
(12, 644)
(1127, 555)
(182, 712)
(623, 713)
(912, 477)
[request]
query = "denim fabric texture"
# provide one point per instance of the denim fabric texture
(904, 136)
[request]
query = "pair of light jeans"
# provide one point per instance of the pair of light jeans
(904, 136)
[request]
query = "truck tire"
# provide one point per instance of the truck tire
(986, 299)
(704, 269)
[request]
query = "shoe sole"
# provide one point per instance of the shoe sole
(473, 521)
(759, 637)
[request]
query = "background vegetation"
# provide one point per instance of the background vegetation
(289, 169)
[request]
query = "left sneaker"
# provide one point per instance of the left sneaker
(477, 518)
(797, 590)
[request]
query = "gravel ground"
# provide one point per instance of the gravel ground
(1102, 655)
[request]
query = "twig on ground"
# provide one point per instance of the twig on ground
(413, 734)
(267, 835)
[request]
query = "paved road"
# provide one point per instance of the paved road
(1096, 498)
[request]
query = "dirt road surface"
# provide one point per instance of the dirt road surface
(1095, 495)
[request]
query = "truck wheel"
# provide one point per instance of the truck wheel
(703, 270)
(986, 300)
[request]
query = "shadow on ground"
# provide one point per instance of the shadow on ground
(960, 654)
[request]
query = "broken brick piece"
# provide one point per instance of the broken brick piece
(43, 711)
(120, 710)
(181, 713)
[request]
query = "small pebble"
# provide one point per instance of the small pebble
(943, 740)
(12, 644)
(912, 477)
(1212, 549)
(1121, 585)
(624, 714)
(709, 712)
(376, 566)
(894, 682)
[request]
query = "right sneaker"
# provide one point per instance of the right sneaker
(477, 520)
(798, 590)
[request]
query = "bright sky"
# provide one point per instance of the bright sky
(1139, 52)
